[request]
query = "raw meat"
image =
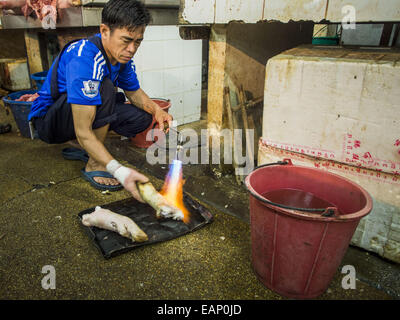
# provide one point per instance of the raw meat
(11, 4)
(12, 7)
(42, 8)
(163, 208)
(28, 97)
(106, 219)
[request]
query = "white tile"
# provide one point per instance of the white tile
(154, 33)
(152, 83)
(173, 53)
(138, 60)
(191, 102)
(191, 78)
(198, 109)
(171, 33)
(179, 121)
(173, 81)
(151, 55)
(140, 77)
(192, 52)
(176, 109)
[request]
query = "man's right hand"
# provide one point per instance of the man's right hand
(130, 183)
(127, 177)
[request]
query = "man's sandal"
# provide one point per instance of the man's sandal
(88, 176)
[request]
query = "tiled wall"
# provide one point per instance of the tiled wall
(169, 67)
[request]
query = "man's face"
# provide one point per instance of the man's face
(121, 44)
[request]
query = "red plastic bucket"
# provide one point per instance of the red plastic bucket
(140, 139)
(295, 252)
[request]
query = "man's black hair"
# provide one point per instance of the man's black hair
(125, 14)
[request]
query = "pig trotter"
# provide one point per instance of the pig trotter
(163, 208)
(106, 219)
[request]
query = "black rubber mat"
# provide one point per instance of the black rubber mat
(112, 244)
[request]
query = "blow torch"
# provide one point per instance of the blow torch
(179, 147)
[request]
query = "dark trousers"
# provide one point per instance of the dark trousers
(57, 125)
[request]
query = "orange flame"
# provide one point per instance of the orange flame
(172, 189)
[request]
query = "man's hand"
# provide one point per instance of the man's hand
(161, 116)
(140, 99)
(130, 183)
(127, 177)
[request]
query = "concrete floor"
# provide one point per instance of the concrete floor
(41, 195)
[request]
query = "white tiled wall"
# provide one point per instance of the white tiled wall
(170, 68)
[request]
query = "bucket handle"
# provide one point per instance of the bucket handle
(285, 161)
(325, 212)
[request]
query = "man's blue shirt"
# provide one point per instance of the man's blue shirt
(81, 70)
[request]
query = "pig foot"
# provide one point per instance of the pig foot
(169, 211)
(106, 219)
(163, 208)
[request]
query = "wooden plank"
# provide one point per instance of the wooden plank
(33, 52)
(216, 77)
(12, 44)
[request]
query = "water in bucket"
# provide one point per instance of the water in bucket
(297, 198)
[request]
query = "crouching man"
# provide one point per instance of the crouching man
(79, 99)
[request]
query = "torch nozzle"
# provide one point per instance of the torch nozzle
(179, 148)
(179, 152)
(180, 140)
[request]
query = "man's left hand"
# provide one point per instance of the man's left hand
(161, 117)
(140, 99)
